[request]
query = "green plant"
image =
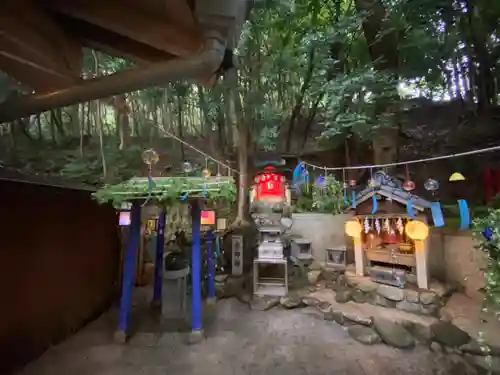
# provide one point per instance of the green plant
(327, 197)
(492, 249)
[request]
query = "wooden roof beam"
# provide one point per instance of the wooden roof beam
(130, 22)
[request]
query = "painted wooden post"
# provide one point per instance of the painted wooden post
(421, 255)
(160, 244)
(196, 317)
(211, 268)
(128, 273)
(359, 256)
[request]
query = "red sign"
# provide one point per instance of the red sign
(270, 184)
(207, 217)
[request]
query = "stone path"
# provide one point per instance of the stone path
(240, 342)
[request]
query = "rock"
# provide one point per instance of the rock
(335, 316)
(411, 279)
(364, 335)
(358, 319)
(329, 274)
(436, 347)
(411, 296)
(313, 276)
(421, 332)
(367, 286)
(264, 303)
(324, 306)
(343, 295)
(244, 298)
(408, 306)
(291, 301)
(432, 310)
(489, 364)
(232, 287)
(449, 334)
(330, 285)
(342, 280)
(441, 290)
(315, 266)
(378, 300)
(427, 298)
(310, 301)
(393, 334)
(392, 293)
(221, 278)
(358, 296)
(445, 315)
(474, 347)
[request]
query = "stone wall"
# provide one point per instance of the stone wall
(454, 259)
(323, 230)
(59, 261)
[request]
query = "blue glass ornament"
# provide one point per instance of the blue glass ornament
(487, 233)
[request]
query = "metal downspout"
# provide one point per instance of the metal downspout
(208, 61)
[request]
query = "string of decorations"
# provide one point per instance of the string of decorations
(380, 182)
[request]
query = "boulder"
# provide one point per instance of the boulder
(359, 296)
(428, 298)
(358, 319)
(421, 332)
(367, 286)
(376, 299)
(393, 334)
(343, 295)
(313, 276)
(324, 306)
(310, 301)
(364, 335)
(476, 348)
(411, 296)
(264, 303)
(408, 306)
(291, 301)
(334, 316)
(392, 293)
(448, 334)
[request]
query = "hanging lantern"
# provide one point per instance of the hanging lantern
(150, 157)
(457, 176)
(353, 228)
(431, 185)
(187, 167)
(205, 173)
(352, 183)
(417, 230)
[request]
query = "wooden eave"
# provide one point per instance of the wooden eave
(41, 41)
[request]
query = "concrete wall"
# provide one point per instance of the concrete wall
(59, 259)
(454, 258)
(324, 230)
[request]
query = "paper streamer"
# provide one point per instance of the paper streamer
(346, 201)
(437, 214)
(409, 209)
(184, 196)
(464, 214)
(204, 190)
(374, 204)
(151, 185)
(353, 199)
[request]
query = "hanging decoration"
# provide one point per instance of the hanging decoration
(150, 157)
(387, 225)
(399, 225)
(431, 185)
(366, 225)
(353, 228)
(408, 185)
(352, 183)
(457, 176)
(372, 183)
(487, 233)
(300, 175)
(377, 226)
(437, 214)
(417, 230)
(374, 204)
(464, 214)
(409, 209)
(353, 198)
(187, 167)
(344, 186)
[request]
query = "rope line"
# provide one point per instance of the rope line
(173, 136)
(460, 154)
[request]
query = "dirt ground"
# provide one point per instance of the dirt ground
(239, 341)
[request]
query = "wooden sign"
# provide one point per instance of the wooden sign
(124, 218)
(207, 217)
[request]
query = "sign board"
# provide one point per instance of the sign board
(237, 255)
(207, 217)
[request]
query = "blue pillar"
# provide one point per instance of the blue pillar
(160, 244)
(196, 317)
(128, 273)
(211, 268)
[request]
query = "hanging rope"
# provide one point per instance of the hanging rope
(474, 152)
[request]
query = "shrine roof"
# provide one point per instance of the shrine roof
(166, 190)
(391, 188)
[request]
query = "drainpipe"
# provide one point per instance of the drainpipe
(207, 62)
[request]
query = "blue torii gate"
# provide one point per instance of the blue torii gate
(195, 191)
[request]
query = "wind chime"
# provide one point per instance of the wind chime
(150, 157)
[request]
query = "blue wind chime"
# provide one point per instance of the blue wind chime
(300, 176)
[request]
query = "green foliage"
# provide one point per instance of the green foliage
(326, 198)
(492, 250)
(168, 190)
